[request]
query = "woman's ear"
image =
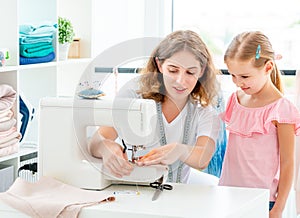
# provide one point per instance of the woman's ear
(158, 64)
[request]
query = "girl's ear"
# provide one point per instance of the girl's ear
(269, 66)
(158, 64)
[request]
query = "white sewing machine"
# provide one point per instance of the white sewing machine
(63, 139)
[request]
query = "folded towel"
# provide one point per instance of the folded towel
(34, 45)
(4, 134)
(37, 30)
(49, 198)
(11, 136)
(14, 148)
(39, 51)
(34, 39)
(10, 142)
(7, 97)
(7, 115)
(6, 125)
(47, 58)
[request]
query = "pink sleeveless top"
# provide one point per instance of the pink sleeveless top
(252, 155)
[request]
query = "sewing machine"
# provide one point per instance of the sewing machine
(63, 138)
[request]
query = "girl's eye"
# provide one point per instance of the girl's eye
(244, 77)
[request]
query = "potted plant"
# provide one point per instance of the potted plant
(65, 37)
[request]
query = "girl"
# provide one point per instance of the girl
(181, 78)
(262, 123)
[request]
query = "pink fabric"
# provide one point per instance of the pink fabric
(7, 115)
(11, 136)
(49, 198)
(297, 167)
(8, 132)
(10, 149)
(7, 97)
(6, 125)
(252, 155)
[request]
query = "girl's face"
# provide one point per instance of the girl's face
(249, 78)
(181, 72)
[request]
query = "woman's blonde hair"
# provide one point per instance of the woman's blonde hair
(254, 46)
(151, 83)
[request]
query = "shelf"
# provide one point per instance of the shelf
(36, 66)
(22, 151)
(8, 68)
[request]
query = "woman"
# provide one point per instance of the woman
(180, 76)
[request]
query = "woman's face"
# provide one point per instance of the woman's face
(181, 72)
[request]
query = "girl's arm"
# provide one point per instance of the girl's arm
(286, 138)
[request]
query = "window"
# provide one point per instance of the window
(217, 22)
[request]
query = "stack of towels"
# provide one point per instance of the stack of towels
(36, 43)
(9, 136)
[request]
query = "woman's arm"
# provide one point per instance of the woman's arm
(197, 156)
(103, 145)
(286, 138)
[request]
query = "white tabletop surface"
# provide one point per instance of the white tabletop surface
(183, 201)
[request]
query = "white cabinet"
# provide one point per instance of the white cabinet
(35, 80)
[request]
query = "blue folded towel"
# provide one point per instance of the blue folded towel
(23, 39)
(38, 30)
(38, 51)
(47, 58)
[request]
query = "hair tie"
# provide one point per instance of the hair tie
(257, 53)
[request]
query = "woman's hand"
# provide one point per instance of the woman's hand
(165, 155)
(275, 214)
(115, 160)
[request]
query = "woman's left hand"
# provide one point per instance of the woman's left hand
(165, 155)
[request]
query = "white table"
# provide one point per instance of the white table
(183, 201)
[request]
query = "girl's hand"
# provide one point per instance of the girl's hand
(165, 155)
(115, 160)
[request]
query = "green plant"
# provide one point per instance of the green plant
(65, 30)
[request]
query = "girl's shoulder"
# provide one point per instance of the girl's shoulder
(246, 120)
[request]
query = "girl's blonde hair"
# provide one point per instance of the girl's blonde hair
(151, 83)
(254, 46)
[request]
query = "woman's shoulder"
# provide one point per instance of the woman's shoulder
(130, 88)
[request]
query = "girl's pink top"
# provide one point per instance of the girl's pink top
(252, 155)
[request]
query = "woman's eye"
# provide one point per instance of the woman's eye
(172, 70)
(190, 73)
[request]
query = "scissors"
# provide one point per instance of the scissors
(159, 186)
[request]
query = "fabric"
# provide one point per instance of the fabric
(11, 135)
(44, 29)
(8, 124)
(7, 97)
(205, 122)
(47, 58)
(36, 51)
(11, 149)
(7, 115)
(49, 198)
(252, 155)
(215, 165)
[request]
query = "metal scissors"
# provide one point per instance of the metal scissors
(159, 186)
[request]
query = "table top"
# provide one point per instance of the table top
(183, 201)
